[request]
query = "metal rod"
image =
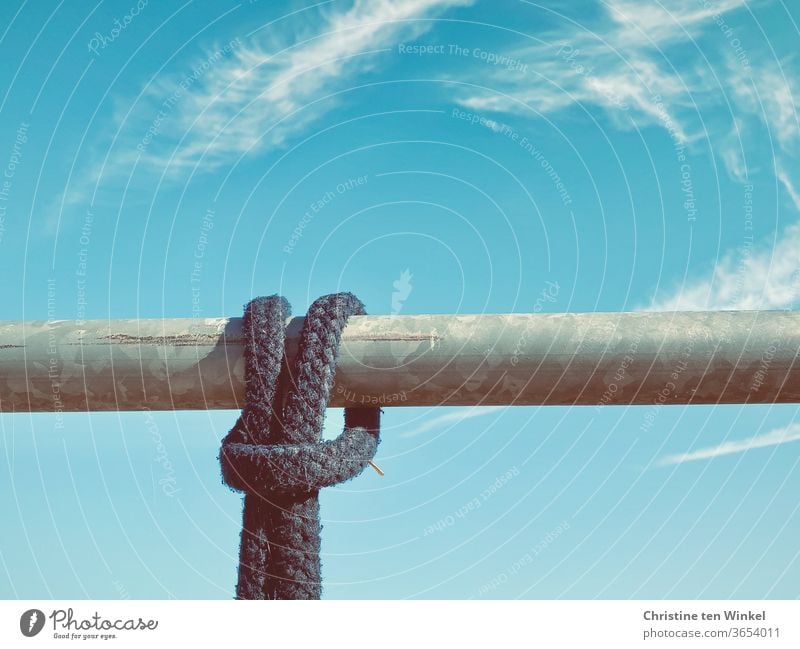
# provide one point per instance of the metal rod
(521, 359)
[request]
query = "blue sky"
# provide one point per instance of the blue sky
(432, 156)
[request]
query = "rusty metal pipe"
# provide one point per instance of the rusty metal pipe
(420, 360)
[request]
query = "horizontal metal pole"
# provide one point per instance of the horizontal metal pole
(520, 359)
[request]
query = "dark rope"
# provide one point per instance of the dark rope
(275, 453)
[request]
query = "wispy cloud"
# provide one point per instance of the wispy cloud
(619, 62)
(790, 433)
(783, 176)
(246, 96)
(757, 277)
(656, 23)
(764, 99)
(769, 92)
(263, 93)
(630, 60)
(452, 418)
(763, 275)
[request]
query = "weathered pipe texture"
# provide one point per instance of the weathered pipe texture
(417, 360)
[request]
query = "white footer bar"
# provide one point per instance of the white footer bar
(407, 624)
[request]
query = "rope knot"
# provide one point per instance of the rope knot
(268, 470)
(275, 453)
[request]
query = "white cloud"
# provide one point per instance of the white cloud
(631, 61)
(790, 433)
(452, 418)
(731, 150)
(765, 276)
(255, 94)
(262, 94)
(619, 62)
(764, 99)
(642, 23)
(757, 277)
(769, 93)
(789, 187)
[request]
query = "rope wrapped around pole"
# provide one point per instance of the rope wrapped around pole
(275, 453)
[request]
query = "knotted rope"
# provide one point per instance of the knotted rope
(275, 453)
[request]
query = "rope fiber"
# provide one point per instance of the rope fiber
(275, 453)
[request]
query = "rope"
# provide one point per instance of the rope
(275, 454)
